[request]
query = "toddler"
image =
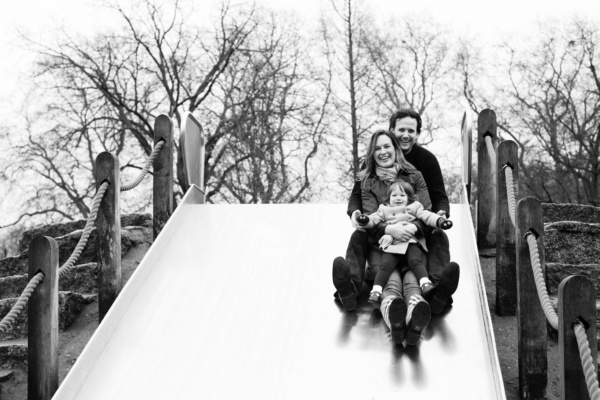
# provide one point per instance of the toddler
(403, 209)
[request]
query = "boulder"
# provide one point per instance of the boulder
(69, 306)
(570, 212)
(556, 272)
(13, 356)
(57, 230)
(570, 242)
(130, 236)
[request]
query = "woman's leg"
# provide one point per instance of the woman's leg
(418, 313)
(393, 307)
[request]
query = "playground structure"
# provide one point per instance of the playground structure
(259, 310)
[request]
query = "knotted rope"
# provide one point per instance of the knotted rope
(539, 280)
(492, 153)
(510, 193)
(14, 312)
(587, 362)
(144, 171)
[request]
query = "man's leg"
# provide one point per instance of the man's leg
(393, 307)
(348, 273)
(443, 273)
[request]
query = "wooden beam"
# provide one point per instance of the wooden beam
(163, 174)
(486, 180)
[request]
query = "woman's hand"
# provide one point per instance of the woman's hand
(401, 232)
(355, 224)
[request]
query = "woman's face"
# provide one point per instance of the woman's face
(385, 154)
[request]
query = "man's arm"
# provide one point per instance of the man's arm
(435, 184)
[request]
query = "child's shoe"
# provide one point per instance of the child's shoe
(375, 297)
(417, 318)
(445, 288)
(397, 318)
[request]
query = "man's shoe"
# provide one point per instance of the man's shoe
(445, 288)
(343, 284)
(417, 318)
(397, 317)
(428, 291)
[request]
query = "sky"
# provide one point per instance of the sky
(487, 22)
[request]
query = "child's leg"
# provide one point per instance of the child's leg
(388, 262)
(416, 262)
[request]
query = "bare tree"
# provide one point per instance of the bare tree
(551, 108)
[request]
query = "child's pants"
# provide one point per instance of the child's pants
(414, 257)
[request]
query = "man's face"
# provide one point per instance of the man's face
(406, 133)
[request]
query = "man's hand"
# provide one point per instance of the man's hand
(355, 224)
(400, 231)
(441, 213)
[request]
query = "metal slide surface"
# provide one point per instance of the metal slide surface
(236, 302)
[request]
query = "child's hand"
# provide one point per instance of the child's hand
(444, 223)
(385, 241)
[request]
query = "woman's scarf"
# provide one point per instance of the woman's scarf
(388, 174)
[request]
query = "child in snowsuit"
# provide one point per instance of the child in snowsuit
(403, 209)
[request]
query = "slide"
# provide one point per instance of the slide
(236, 302)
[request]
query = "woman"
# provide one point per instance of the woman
(384, 164)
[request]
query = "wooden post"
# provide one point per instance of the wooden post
(466, 129)
(42, 334)
(108, 229)
(576, 300)
(506, 258)
(531, 321)
(486, 179)
(163, 174)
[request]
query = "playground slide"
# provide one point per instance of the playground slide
(235, 302)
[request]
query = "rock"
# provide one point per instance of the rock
(572, 243)
(570, 212)
(556, 272)
(69, 306)
(12, 286)
(130, 236)
(6, 374)
(13, 356)
(57, 230)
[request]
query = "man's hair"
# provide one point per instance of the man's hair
(405, 187)
(403, 113)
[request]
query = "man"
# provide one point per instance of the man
(348, 273)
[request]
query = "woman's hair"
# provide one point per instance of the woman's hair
(370, 163)
(403, 187)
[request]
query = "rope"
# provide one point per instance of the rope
(144, 171)
(14, 312)
(587, 363)
(539, 281)
(510, 193)
(86, 230)
(491, 152)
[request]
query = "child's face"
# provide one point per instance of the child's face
(398, 197)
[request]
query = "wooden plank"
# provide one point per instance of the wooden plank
(576, 299)
(108, 225)
(466, 129)
(192, 144)
(506, 258)
(486, 181)
(531, 321)
(42, 331)
(163, 174)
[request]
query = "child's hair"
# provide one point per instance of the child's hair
(403, 187)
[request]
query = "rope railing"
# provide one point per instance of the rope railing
(587, 363)
(21, 302)
(540, 284)
(14, 312)
(585, 355)
(145, 169)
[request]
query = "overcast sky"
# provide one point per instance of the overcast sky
(485, 21)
